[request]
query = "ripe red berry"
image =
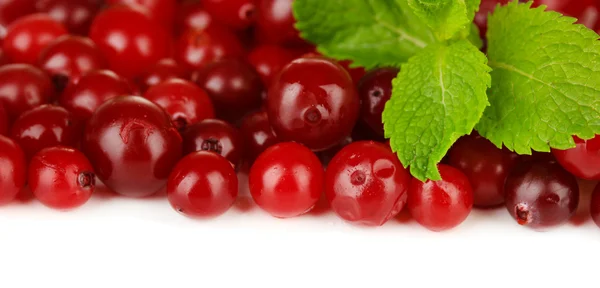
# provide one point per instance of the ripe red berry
(257, 134)
(275, 22)
(192, 16)
(587, 12)
(28, 36)
(595, 205)
(202, 184)
(161, 71)
(132, 145)
(12, 169)
(3, 120)
(160, 11)
(196, 48)
(313, 101)
(268, 60)
(23, 87)
(61, 178)
(356, 73)
(375, 89)
(286, 180)
(11, 10)
(365, 183)
(443, 204)
(237, 14)
(583, 161)
(75, 15)
(216, 136)
(183, 101)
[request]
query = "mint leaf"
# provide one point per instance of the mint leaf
(439, 95)
(369, 32)
(546, 80)
(473, 36)
(445, 17)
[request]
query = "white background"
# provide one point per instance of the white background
(118, 242)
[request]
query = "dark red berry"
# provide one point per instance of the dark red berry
(583, 161)
(375, 89)
(268, 60)
(541, 194)
(257, 134)
(160, 11)
(161, 71)
(196, 48)
(286, 180)
(61, 178)
(12, 169)
(132, 145)
(202, 184)
(11, 10)
(595, 205)
(356, 73)
(275, 22)
(216, 136)
(237, 14)
(75, 15)
(3, 120)
(28, 36)
(192, 15)
(23, 87)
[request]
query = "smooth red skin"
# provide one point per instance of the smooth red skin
(23, 87)
(356, 73)
(202, 184)
(237, 14)
(132, 145)
(268, 60)
(595, 205)
(365, 183)
(286, 180)
(486, 166)
(234, 87)
(313, 86)
(3, 120)
(441, 205)
(119, 31)
(11, 10)
(45, 126)
(161, 71)
(583, 161)
(13, 169)
(54, 175)
(198, 136)
(185, 102)
(196, 48)
(75, 15)
(191, 15)
(275, 22)
(160, 11)
(39, 29)
(71, 57)
(93, 89)
(375, 89)
(550, 194)
(257, 134)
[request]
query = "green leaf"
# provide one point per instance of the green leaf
(439, 95)
(371, 33)
(446, 17)
(546, 80)
(474, 37)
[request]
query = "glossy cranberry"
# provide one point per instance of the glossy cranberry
(268, 60)
(3, 120)
(129, 39)
(183, 101)
(257, 134)
(216, 136)
(11, 10)
(286, 180)
(196, 48)
(61, 178)
(234, 87)
(237, 14)
(12, 169)
(595, 205)
(23, 87)
(275, 22)
(160, 11)
(28, 36)
(93, 89)
(313, 101)
(375, 89)
(541, 194)
(163, 70)
(132, 145)
(443, 204)
(356, 73)
(583, 161)
(365, 183)
(75, 15)
(69, 57)
(203, 184)
(586, 11)
(192, 15)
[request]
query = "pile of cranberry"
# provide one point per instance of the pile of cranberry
(148, 94)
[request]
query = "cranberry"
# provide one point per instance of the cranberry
(192, 15)
(11, 10)
(91, 91)
(375, 89)
(595, 205)
(257, 134)
(286, 180)
(129, 39)
(233, 85)
(69, 57)
(196, 48)
(313, 101)
(443, 204)
(76, 15)
(485, 165)
(163, 70)
(275, 22)
(3, 120)
(541, 194)
(586, 11)
(268, 60)
(356, 73)
(203, 184)
(365, 183)
(237, 14)
(61, 178)
(132, 145)
(23, 87)
(28, 36)
(216, 136)
(327, 155)
(583, 161)
(185, 102)
(12, 169)
(160, 11)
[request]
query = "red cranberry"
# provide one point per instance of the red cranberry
(485, 165)
(132, 145)
(257, 134)
(3, 120)
(129, 39)
(237, 14)
(216, 136)
(91, 91)
(11, 10)
(76, 15)
(313, 101)
(541, 194)
(192, 15)
(160, 11)
(61, 178)
(268, 60)
(202, 184)
(375, 89)
(443, 204)
(28, 36)
(286, 180)
(196, 48)
(185, 102)
(583, 161)
(233, 85)
(595, 205)
(23, 87)
(161, 71)
(356, 73)
(275, 22)
(365, 183)
(586, 11)
(12, 170)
